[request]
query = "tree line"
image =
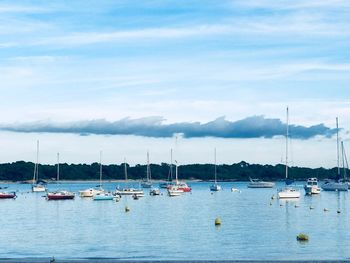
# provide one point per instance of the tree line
(23, 171)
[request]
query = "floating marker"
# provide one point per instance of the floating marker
(338, 211)
(326, 209)
(127, 209)
(217, 221)
(302, 237)
(296, 206)
(311, 207)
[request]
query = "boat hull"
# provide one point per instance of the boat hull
(130, 192)
(334, 186)
(54, 196)
(38, 188)
(312, 190)
(288, 194)
(215, 188)
(7, 195)
(261, 185)
(89, 192)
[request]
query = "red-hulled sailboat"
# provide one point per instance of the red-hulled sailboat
(59, 194)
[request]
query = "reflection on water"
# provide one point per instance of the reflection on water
(254, 226)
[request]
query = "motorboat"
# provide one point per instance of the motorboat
(256, 183)
(154, 191)
(90, 192)
(289, 193)
(103, 196)
(38, 188)
(60, 195)
(311, 187)
(7, 195)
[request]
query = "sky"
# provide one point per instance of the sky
(193, 75)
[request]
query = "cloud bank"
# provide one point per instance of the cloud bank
(251, 127)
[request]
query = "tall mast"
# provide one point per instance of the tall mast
(37, 161)
(125, 170)
(176, 172)
(171, 164)
(100, 169)
(148, 168)
(287, 135)
(215, 164)
(58, 167)
(338, 148)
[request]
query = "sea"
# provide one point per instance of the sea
(254, 225)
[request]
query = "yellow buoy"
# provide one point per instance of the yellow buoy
(302, 237)
(217, 221)
(127, 209)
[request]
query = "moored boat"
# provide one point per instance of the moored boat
(256, 183)
(128, 190)
(59, 194)
(311, 187)
(36, 186)
(215, 187)
(7, 195)
(337, 184)
(288, 192)
(102, 195)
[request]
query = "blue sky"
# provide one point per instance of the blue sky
(69, 62)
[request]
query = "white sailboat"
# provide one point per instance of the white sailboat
(91, 192)
(147, 183)
(36, 186)
(337, 184)
(102, 195)
(128, 190)
(288, 192)
(215, 187)
(175, 190)
(169, 182)
(59, 194)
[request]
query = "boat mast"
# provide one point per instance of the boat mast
(148, 169)
(287, 134)
(176, 172)
(36, 163)
(215, 164)
(100, 169)
(171, 164)
(338, 149)
(125, 170)
(58, 167)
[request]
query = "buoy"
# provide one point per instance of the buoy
(325, 209)
(338, 211)
(270, 203)
(281, 205)
(127, 209)
(217, 221)
(272, 197)
(296, 206)
(302, 237)
(311, 207)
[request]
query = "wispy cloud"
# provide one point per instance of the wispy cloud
(251, 127)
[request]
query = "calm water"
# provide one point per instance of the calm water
(161, 227)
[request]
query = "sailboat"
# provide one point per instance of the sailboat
(215, 187)
(169, 182)
(175, 190)
(59, 194)
(288, 192)
(102, 195)
(337, 184)
(147, 183)
(36, 186)
(128, 191)
(8, 195)
(90, 192)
